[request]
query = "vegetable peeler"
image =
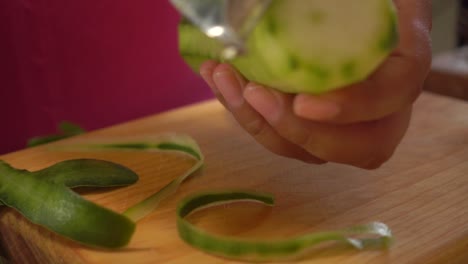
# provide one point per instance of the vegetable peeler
(229, 21)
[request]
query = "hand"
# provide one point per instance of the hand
(359, 125)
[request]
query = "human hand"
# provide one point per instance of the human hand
(360, 125)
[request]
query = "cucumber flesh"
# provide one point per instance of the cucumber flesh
(310, 46)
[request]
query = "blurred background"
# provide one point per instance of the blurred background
(94, 63)
(99, 63)
(445, 20)
(449, 75)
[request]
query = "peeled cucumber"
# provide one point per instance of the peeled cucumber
(306, 46)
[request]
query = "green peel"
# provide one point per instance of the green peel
(178, 143)
(360, 237)
(66, 130)
(44, 197)
(148, 205)
(187, 146)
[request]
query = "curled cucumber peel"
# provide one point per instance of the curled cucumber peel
(44, 197)
(360, 237)
(167, 142)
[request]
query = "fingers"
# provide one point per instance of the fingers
(359, 125)
(396, 84)
(268, 116)
(366, 145)
(206, 72)
(229, 85)
(393, 86)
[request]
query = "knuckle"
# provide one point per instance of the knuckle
(256, 127)
(416, 74)
(306, 141)
(221, 100)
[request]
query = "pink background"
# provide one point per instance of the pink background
(93, 62)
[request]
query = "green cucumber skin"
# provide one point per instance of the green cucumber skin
(272, 61)
(159, 146)
(45, 199)
(373, 234)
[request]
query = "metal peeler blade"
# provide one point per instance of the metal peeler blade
(229, 21)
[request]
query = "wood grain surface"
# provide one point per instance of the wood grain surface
(421, 193)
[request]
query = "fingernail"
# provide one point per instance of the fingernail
(229, 86)
(263, 101)
(316, 109)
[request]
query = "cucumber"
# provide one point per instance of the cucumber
(312, 46)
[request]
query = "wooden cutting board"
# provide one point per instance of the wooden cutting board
(421, 193)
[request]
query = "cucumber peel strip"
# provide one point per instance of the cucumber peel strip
(359, 237)
(183, 144)
(44, 198)
(66, 130)
(179, 143)
(66, 213)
